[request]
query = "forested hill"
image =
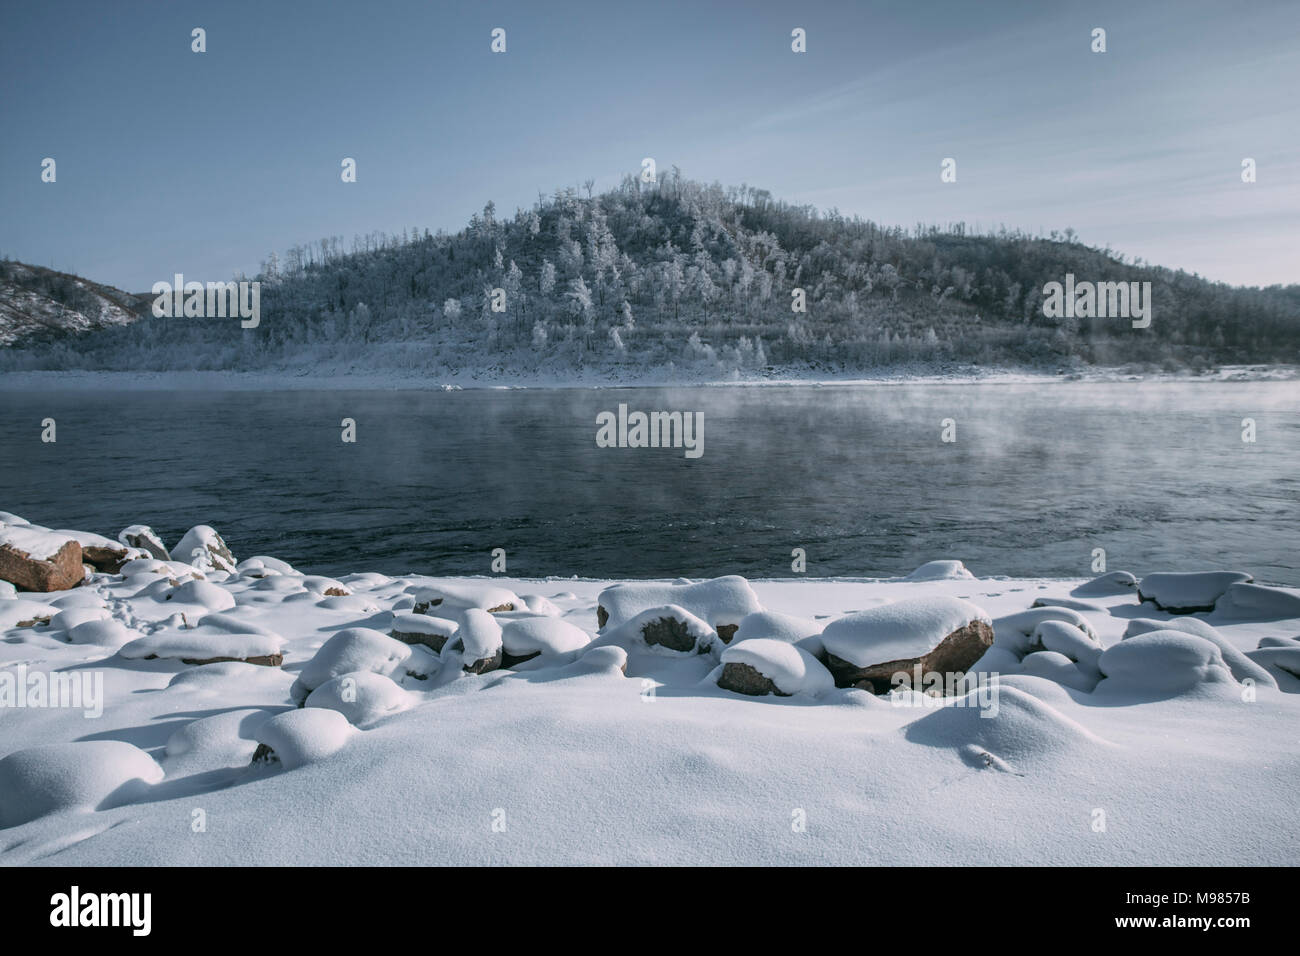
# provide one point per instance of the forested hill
(685, 277)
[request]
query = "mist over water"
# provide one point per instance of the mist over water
(1040, 475)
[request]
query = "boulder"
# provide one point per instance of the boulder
(142, 537)
(432, 632)
(204, 549)
(1188, 592)
(721, 602)
(762, 666)
(34, 559)
(941, 635)
(103, 554)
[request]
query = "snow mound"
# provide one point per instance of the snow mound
(86, 775)
(350, 650)
(362, 697)
(1285, 659)
(1241, 666)
(1186, 592)
(262, 565)
(203, 548)
(206, 642)
(537, 604)
(1062, 637)
(781, 627)
(365, 580)
(542, 635)
(899, 631)
(18, 611)
(1015, 632)
(1161, 662)
(299, 737)
(1113, 582)
(7, 590)
(226, 739)
(1016, 731)
(70, 617)
(946, 570)
(487, 597)
(720, 602)
(791, 669)
(1257, 602)
(1055, 666)
(201, 594)
(105, 633)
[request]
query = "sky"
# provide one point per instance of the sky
(203, 163)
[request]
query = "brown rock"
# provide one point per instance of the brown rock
(59, 573)
(265, 660)
(727, 632)
(744, 679)
(336, 592)
(955, 654)
(105, 560)
(435, 642)
(601, 616)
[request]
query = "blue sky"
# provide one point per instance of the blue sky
(171, 161)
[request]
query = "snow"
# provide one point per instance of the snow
(1256, 601)
(350, 650)
(451, 595)
(541, 635)
(202, 642)
(87, 775)
(36, 542)
(615, 751)
(898, 631)
(362, 697)
(1187, 591)
(792, 669)
(204, 549)
(720, 601)
(301, 737)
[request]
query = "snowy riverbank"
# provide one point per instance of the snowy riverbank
(1103, 745)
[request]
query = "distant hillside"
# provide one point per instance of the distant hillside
(40, 305)
(681, 275)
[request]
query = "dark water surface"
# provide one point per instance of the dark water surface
(1156, 474)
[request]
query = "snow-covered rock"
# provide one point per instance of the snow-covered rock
(1015, 632)
(350, 650)
(363, 697)
(1112, 582)
(300, 737)
(762, 665)
(433, 632)
(721, 602)
(944, 570)
(772, 625)
(1186, 592)
(1256, 602)
(200, 594)
(203, 548)
(1241, 666)
(940, 634)
(671, 627)
(1057, 667)
(85, 775)
(479, 641)
(227, 739)
(487, 597)
(37, 559)
(1161, 662)
(143, 538)
(210, 641)
(527, 638)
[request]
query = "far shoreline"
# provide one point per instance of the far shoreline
(317, 380)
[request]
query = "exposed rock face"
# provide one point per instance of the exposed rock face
(602, 616)
(266, 660)
(422, 607)
(105, 560)
(744, 679)
(956, 653)
(59, 572)
(142, 536)
(510, 660)
(668, 632)
(727, 631)
(483, 665)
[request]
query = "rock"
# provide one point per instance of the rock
(486, 597)
(142, 536)
(1189, 592)
(722, 603)
(103, 554)
(432, 632)
(479, 639)
(204, 549)
(670, 626)
(296, 738)
(526, 638)
(48, 566)
(762, 666)
(940, 635)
